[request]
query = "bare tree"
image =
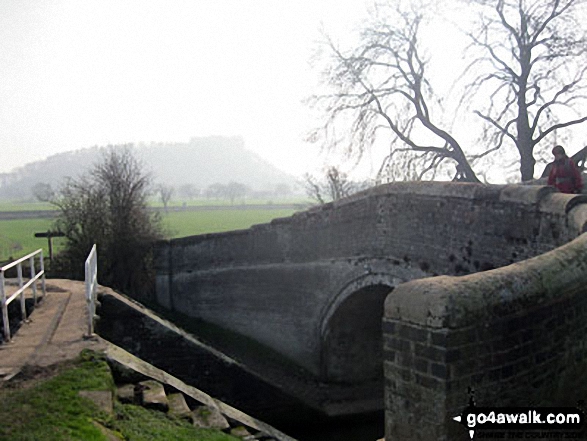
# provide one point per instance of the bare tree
(108, 207)
(43, 191)
(165, 194)
(314, 189)
(381, 87)
(189, 191)
(335, 185)
(338, 183)
(236, 190)
(531, 72)
(216, 191)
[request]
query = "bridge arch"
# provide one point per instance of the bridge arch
(293, 284)
(350, 331)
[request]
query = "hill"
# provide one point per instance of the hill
(200, 162)
(205, 161)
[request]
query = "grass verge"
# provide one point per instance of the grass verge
(47, 406)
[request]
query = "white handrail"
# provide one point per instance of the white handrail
(91, 271)
(21, 287)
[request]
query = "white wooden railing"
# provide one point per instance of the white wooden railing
(34, 276)
(91, 285)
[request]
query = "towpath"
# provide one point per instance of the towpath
(56, 330)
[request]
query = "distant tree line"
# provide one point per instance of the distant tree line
(235, 192)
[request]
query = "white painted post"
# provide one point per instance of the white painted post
(89, 299)
(33, 274)
(22, 299)
(5, 301)
(4, 309)
(91, 270)
(43, 276)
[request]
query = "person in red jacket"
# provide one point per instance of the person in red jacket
(564, 174)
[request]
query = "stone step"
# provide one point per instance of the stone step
(152, 395)
(207, 417)
(242, 433)
(126, 394)
(119, 358)
(178, 406)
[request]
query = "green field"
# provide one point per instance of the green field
(32, 206)
(189, 223)
(17, 236)
(25, 206)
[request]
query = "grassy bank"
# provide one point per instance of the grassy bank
(47, 406)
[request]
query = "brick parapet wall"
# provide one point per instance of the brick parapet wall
(467, 228)
(516, 335)
(407, 230)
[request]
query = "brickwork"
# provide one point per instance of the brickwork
(447, 228)
(518, 345)
(285, 284)
(415, 371)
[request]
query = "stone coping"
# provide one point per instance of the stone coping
(546, 198)
(454, 302)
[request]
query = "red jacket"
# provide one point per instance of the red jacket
(565, 176)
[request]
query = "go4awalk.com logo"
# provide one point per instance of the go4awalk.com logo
(522, 422)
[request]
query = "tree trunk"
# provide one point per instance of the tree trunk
(525, 143)
(527, 162)
(470, 175)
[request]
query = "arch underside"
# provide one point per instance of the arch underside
(352, 351)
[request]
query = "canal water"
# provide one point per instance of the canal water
(126, 325)
(358, 428)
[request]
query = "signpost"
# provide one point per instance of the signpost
(50, 235)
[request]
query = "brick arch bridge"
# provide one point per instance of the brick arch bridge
(312, 286)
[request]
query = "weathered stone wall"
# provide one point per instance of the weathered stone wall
(516, 335)
(443, 227)
(288, 284)
(156, 341)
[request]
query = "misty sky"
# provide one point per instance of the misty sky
(75, 74)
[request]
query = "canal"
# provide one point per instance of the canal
(145, 335)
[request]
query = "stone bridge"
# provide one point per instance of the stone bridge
(313, 288)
